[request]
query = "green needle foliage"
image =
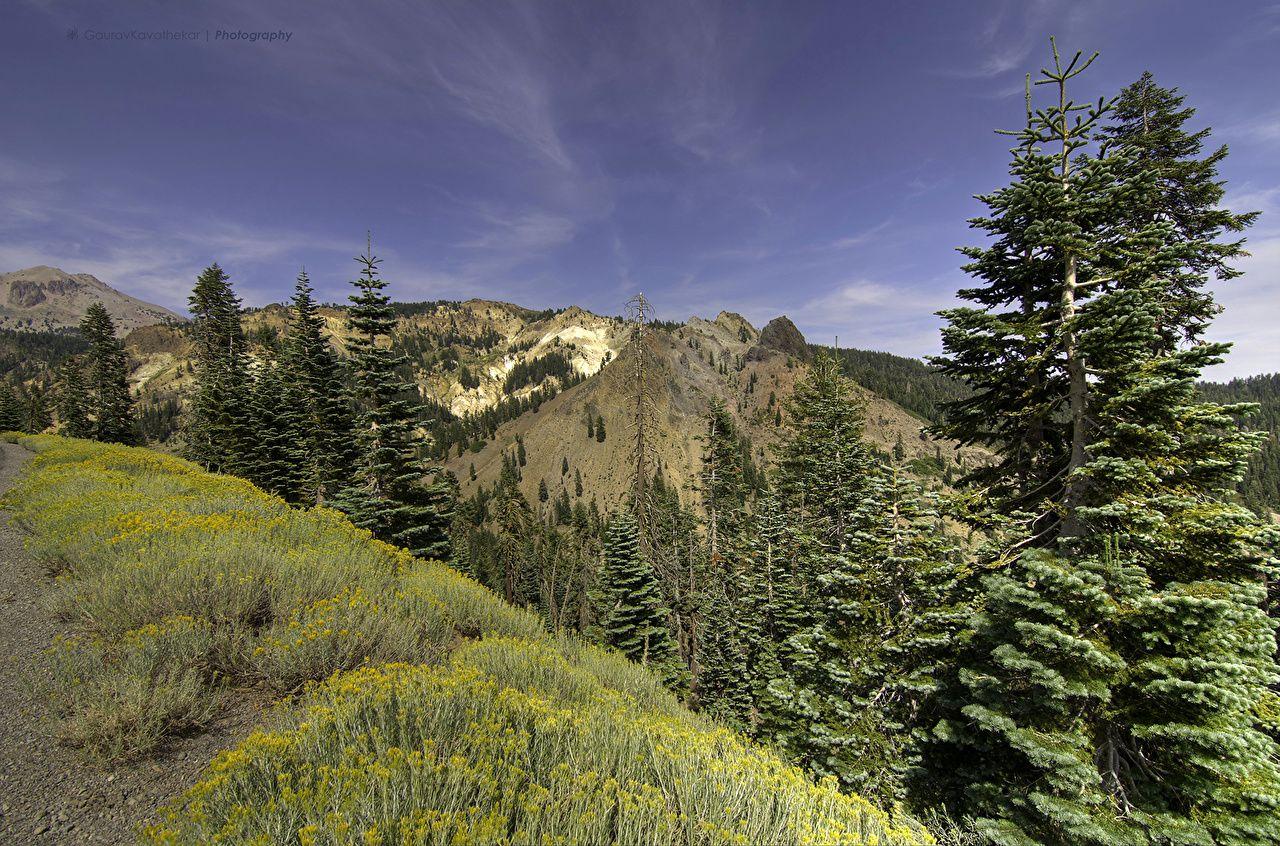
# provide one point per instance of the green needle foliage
(631, 612)
(388, 495)
(73, 400)
(1107, 686)
(323, 441)
(10, 409)
(110, 405)
(217, 431)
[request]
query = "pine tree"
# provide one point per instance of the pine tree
(10, 409)
(216, 431)
(770, 607)
(73, 400)
(1105, 692)
(630, 599)
(600, 429)
(389, 495)
(110, 404)
(323, 445)
(513, 523)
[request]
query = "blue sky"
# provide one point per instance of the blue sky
(813, 159)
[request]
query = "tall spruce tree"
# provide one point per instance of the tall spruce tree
(73, 400)
(110, 404)
(392, 495)
(770, 608)
(630, 600)
(217, 432)
(1106, 688)
(323, 439)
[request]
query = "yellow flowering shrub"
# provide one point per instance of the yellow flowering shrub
(429, 710)
(509, 742)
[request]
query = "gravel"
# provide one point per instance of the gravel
(50, 794)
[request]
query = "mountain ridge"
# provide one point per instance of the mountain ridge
(45, 298)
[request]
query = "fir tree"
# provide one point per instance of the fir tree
(1106, 690)
(513, 522)
(389, 495)
(824, 463)
(600, 429)
(323, 439)
(110, 404)
(10, 409)
(630, 599)
(720, 479)
(1150, 123)
(36, 412)
(216, 431)
(270, 460)
(73, 400)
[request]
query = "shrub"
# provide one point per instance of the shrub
(510, 742)
(120, 700)
(428, 710)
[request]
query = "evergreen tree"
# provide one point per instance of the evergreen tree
(10, 409)
(216, 432)
(110, 404)
(770, 607)
(323, 447)
(270, 460)
(513, 522)
(720, 479)
(630, 599)
(37, 417)
(600, 429)
(73, 400)
(1105, 692)
(389, 495)
(824, 463)
(1150, 123)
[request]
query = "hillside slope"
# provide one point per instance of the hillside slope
(451, 717)
(493, 375)
(45, 298)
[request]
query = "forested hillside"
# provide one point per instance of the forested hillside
(1260, 487)
(909, 382)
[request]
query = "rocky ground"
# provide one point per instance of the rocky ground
(50, 794)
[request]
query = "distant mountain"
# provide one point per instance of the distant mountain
(47, 298)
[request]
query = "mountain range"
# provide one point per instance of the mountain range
(46, 298)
